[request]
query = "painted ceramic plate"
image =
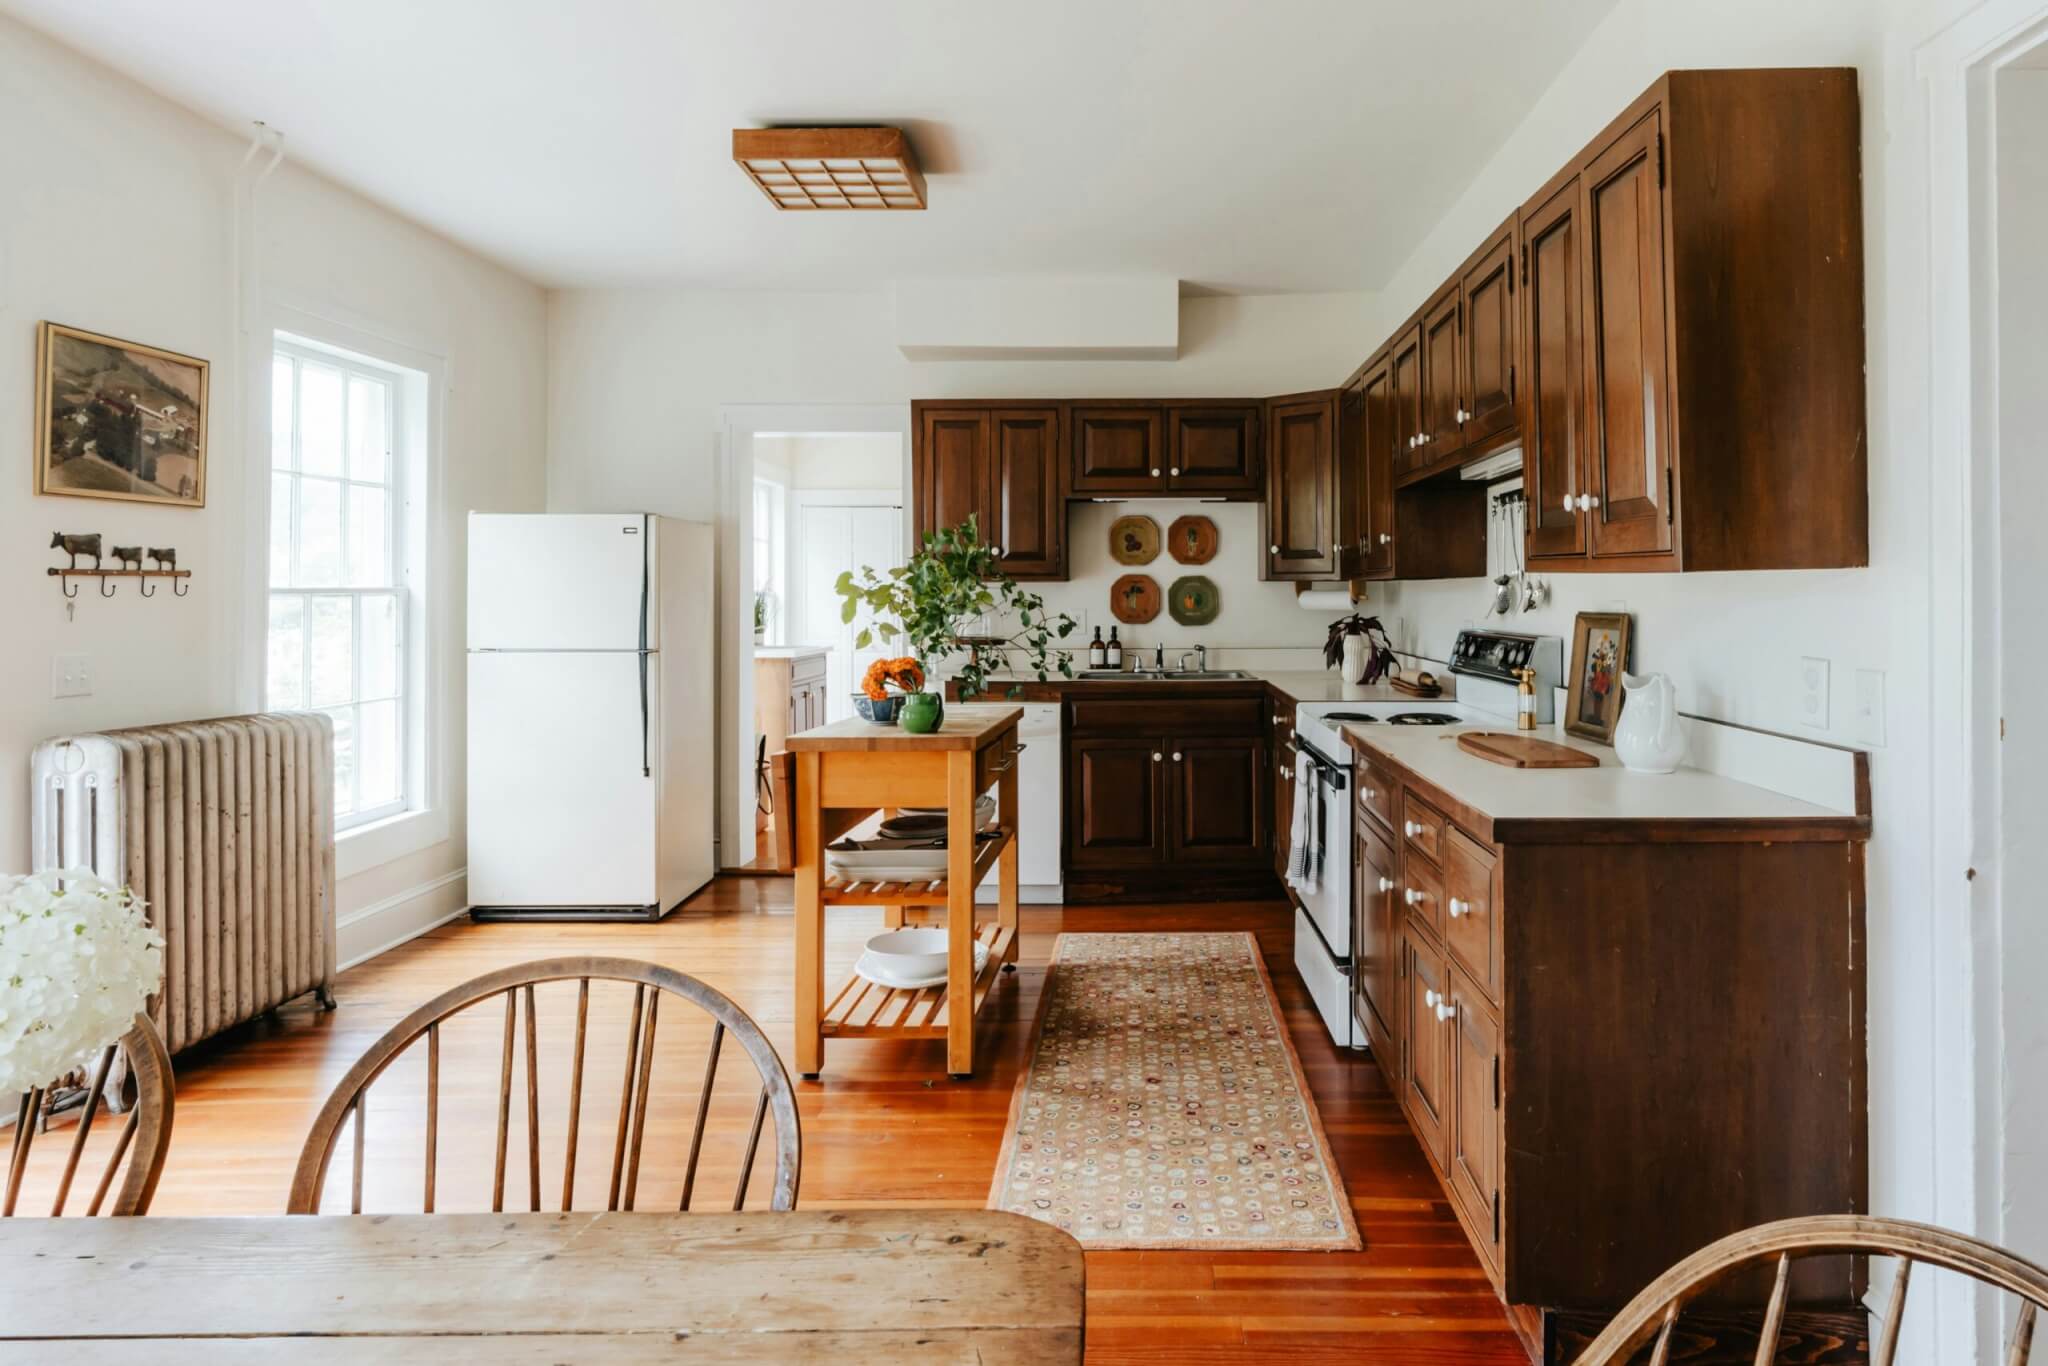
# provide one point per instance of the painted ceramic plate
(1134, 539)
(1192, 601)
(1192, 540)
(1134, 599)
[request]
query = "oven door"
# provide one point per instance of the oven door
(1325, 888)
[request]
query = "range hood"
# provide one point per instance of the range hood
(1504, 463)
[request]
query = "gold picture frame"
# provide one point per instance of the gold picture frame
(117, 419)
(1600, 642)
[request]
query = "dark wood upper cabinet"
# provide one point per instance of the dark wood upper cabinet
(950, 465)
(1117, 449)
(1219, 812)
(1377, 441)
(1027, 515)
(1487, 371)
(1215, 449)
(1443, 366)
(1631, 487)
(1404, 360)
(1553, 399)
(1301, 487)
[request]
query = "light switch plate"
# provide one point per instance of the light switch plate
(1813, 692)
(1870, 707)
(70, 676)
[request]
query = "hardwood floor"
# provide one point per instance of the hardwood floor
(883, 1127)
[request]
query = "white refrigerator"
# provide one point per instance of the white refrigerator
(592, 715)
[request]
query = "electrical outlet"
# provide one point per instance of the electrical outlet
(1870, 707)
(1813, 692)
(70, 676)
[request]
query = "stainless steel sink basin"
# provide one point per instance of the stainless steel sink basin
(1171, 676)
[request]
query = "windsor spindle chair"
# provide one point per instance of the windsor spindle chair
(1654, 1313)
(650, 985)
(143, 1139)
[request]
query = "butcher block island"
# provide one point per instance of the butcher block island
(1624, 1013)
(843, 774)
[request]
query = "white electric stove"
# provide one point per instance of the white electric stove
(1319, 870)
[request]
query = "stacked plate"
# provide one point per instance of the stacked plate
(910, 847)
(911, 959)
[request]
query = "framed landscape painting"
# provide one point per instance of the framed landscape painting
(117, 419)
(1599, 654)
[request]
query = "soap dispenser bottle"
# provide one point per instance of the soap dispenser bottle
(1115, 658)
(1097, 653)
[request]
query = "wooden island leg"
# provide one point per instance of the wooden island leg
(960, 844)
(1007, 864)
(810, 919)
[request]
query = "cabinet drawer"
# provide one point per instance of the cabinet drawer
(1375, 791)
(805, 667)
(1165, 716)
(1422, 824)
(1422, 893)
(994, 760)
(1472, 922)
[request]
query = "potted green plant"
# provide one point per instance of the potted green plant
(952, 581)
(1360, 644)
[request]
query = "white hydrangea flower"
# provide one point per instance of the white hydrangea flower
(77, 963)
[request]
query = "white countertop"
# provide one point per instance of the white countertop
(1609, 792)
(1327, 685)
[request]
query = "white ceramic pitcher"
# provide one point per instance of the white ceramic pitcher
(1649, 737)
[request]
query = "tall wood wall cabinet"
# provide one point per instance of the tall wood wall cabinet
(1004, 466)
(1692, 332)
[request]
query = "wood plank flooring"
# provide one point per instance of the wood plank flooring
(883, 1127)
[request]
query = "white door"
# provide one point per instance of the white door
(559, 582)
(561, 810)
(830, 540)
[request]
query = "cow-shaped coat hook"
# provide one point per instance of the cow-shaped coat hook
(74, 546)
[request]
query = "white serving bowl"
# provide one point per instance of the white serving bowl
(909, 954)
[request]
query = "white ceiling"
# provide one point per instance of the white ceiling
(1241, 146)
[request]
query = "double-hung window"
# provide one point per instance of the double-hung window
(338, 605)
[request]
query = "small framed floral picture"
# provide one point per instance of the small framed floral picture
(1599, 654)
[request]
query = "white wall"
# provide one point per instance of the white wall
(2022, 861)
(122, 217)
(834, 460)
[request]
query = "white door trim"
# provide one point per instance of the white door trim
(738, 424)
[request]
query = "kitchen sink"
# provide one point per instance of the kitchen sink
(1170, 676)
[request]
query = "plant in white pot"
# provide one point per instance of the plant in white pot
(1360, 645)
(77, 963)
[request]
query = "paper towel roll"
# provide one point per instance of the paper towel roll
(1325, 600)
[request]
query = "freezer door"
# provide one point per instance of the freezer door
(561, 812)
(561, 582)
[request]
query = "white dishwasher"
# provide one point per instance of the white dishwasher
(1038, 808)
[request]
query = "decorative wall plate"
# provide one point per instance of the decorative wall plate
(1192, 601)
(1134, 539)
(1191, 539)
(1134, 599)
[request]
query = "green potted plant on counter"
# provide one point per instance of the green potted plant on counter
(952, 581)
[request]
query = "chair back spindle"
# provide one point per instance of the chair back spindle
(142, 1140)
(520, 1047)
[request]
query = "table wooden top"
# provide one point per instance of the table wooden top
(967, 725)
(895, 1285)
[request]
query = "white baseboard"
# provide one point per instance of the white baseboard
(384, 925)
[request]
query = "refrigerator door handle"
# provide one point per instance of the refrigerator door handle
(646, 534)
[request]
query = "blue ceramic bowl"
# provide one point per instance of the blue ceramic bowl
(882, 713)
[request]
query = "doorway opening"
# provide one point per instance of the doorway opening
(820, 503)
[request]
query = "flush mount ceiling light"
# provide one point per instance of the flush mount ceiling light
(831, 168)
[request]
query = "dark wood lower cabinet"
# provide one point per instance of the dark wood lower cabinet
(1218, 801)
(1114, 802)
(1473, 1137)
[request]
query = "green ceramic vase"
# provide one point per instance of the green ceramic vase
(922, 713)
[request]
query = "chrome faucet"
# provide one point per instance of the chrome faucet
(1201, 654)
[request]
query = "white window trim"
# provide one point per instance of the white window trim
(423, 408)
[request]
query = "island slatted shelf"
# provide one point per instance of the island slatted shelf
(835, 777)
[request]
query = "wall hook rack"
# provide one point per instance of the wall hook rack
(107, 588)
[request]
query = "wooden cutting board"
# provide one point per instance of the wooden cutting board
(1518, 751)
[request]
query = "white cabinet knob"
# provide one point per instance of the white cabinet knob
(1412, 897)
(1430, 998)
(1445, 1010)
(1371, 795)
(1457, 908)
(1591, 500)
(1176, 756)
(1409, 828)
(1155, 756)
(1570, 502)
(1155, 472)
(1385, 539)
(1286, 774)
(997, 551)
(1386, 884)
(1174, 471)
(1273, 549)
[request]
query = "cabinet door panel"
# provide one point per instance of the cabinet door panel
(1301, 490)
(1281, 759)
(1425, 1089)
(1376, 955)
(1630, 436)
(1405, 363)
(1473, 1141)
(1117, 450)
(951, 467)
(1026, 514)
(1218, 803)
(1553, 391)
(1489, 356)
(1215, 449)
(1443, 365)
(1114, 791)
(1472, 922)
(1376, 473)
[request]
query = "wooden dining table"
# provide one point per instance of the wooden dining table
(900, 1286)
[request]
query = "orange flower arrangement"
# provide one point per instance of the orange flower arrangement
(904, 672)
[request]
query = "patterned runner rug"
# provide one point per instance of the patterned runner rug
(1164, 1106)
